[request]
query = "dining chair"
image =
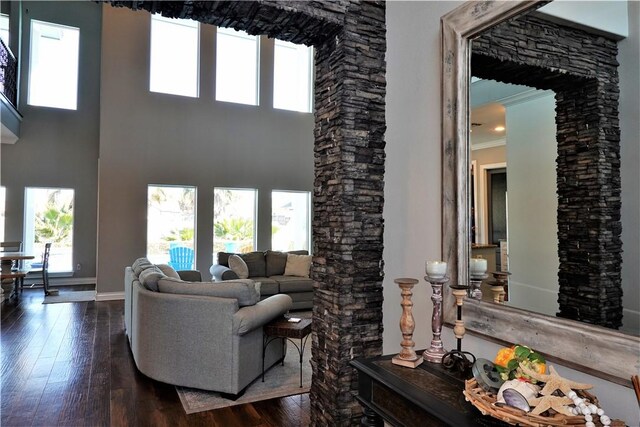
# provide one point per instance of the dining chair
(42, 268)
(45, 271)
(15, 246)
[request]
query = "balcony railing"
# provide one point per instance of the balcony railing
(8, 74)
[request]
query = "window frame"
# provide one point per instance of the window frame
(255, 216)
(228, 31)
(195, 219)
(309, 78)
(29, 240)
(309, 216)
(175, 21)
(30, 80)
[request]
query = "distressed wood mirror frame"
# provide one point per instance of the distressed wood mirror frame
(598, 351)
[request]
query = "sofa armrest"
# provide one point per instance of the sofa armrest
(219, 273)
(255, 316)
(190, 275)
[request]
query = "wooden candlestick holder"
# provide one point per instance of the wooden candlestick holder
(407, 356)
(475, 281)
(436, 350)
(498, 285)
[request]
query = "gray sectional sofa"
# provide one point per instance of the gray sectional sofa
(268, 268)
(198, 334)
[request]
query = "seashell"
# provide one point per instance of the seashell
(528, 390)
(516, 400)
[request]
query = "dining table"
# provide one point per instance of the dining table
(8, 272)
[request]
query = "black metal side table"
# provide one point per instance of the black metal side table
(282, 328)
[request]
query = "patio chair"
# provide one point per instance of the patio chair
(181, 258)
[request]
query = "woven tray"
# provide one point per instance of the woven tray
(485, 402)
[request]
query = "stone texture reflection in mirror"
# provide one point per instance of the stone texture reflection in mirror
(593, 138)
(581, 69)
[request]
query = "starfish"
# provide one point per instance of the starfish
(554, 381)
(556, 403)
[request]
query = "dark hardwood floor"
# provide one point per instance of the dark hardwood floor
(70, 365)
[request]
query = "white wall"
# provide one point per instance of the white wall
(413, 184)
(532, 204)
(151, 138)
(609, 16)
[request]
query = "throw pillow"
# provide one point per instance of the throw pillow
(256, 263)
(277, 261)
(244, 291)
(140, 264)
(168, 271)
(297, 265)
(223, 258)
(238, 266)
(149, 278)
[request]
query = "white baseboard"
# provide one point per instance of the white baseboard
(63, 281)
(109, 296)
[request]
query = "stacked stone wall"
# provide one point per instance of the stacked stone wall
(581, 68)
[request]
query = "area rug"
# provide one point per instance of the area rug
(279, 381)
(72, 296)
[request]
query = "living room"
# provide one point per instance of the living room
(109, 148)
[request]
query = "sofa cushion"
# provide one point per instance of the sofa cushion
(291, 284)
(297, 265)
(268, 286)
(223, 258)
(242, 290)
(168, 271)
(237, 264)
(140, 264)
(150, 277)
(256, 263)
(277, 261)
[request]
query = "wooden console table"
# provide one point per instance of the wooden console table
(428, 395)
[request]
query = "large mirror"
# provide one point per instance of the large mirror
(602, 352)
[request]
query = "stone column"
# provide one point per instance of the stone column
(348, 202)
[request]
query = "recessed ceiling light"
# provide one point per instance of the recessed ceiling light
(499, 128)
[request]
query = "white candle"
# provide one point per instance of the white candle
(477, 266)
(436, 269)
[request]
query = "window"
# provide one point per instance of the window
(236, 67)
(53, 65)
(290, 218)
(234, 220)
(174, 56)
(292, 77)
(4, 28)
(49, 219)
(171, 225)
